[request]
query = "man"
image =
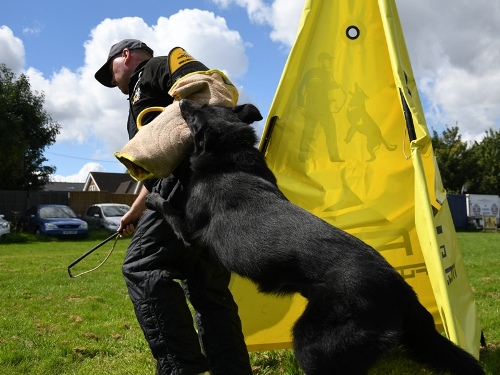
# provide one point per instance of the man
(156, 258)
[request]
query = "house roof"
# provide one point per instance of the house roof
(129, 187)
(112, 182)
(64, 186)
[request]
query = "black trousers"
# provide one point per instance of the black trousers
(154, 261)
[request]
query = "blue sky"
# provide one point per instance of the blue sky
(453, 45)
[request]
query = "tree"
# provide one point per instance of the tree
(455, 161)
(26, 129)
(487, 156)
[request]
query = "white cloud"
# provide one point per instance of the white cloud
(82, 175)
(258, 11)
(12, 50)
(68, 101)
(281, 15)
(285, 20)
(455, 54)
(32, 30)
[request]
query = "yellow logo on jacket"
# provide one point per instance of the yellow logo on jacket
(177, 58)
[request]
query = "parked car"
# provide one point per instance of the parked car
(4, 226)
(105, 215)
(54, 220)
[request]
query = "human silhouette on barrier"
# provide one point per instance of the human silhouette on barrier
(316, 103)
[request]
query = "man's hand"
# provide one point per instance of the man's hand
(127, 226)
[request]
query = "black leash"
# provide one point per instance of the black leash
(113, 236)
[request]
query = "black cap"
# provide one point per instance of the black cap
(103, 75)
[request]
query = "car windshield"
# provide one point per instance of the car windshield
(56, 212)
(114, 210)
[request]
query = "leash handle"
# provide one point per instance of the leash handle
(113, 236)
(145, 111)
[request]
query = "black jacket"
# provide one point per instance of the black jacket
(148, 87)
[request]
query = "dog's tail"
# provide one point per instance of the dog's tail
(431, 348)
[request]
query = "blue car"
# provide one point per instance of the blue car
(54, 220)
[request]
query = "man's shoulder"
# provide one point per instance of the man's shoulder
(155, 69)
(156, 61)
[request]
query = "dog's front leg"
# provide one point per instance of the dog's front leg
(172, 216)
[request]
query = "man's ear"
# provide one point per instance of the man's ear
(247, 113)
(126, 55)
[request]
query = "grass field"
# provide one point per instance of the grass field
(51, 324)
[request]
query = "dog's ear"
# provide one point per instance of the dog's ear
(247, 113)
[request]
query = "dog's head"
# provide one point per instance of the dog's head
(215, 127)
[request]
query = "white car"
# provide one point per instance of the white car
(4, 226)
(105, 215)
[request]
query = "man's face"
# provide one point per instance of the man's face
(120, 73)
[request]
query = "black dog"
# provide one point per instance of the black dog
(358, 305)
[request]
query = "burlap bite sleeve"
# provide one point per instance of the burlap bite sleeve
(158, 148)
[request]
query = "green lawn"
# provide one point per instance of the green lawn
(51, 324)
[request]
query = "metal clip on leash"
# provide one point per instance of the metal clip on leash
(114, 235)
